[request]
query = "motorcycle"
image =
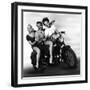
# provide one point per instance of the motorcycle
(61, 52)
(44, 57)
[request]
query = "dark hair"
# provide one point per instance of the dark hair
(39, 22)
(45, 19)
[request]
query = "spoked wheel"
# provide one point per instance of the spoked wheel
(70, 57)
(42, 62)
(42, 65)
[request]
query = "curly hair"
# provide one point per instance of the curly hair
(39, 22)
(45, 19)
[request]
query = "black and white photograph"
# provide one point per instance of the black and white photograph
(51, 44)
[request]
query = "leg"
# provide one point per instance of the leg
(50, 49)
(37, 56)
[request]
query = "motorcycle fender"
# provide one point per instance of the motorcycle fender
(64, 49)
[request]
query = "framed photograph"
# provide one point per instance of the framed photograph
(49, 44)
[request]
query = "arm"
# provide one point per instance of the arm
(28, 39)
(32, 43)
(52, 22)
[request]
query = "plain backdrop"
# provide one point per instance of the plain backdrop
(5, 46)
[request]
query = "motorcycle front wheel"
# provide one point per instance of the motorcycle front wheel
(70, 58)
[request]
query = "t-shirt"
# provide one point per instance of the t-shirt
(49, 31)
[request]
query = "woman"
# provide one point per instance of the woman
(31, 39)
(49, 30)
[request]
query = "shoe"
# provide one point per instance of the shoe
(37, 66)
(50, 61)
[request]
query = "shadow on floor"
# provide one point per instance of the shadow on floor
(53, 70)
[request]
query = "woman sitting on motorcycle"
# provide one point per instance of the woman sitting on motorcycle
(31, 39)
(49, 30)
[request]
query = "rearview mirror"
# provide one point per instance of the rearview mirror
(62, 32)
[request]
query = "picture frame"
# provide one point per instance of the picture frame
(23, 13)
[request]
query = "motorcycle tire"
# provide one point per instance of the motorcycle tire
(70, 58)
(42, 65)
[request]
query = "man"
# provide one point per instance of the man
(40, 35)
(49, 30)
